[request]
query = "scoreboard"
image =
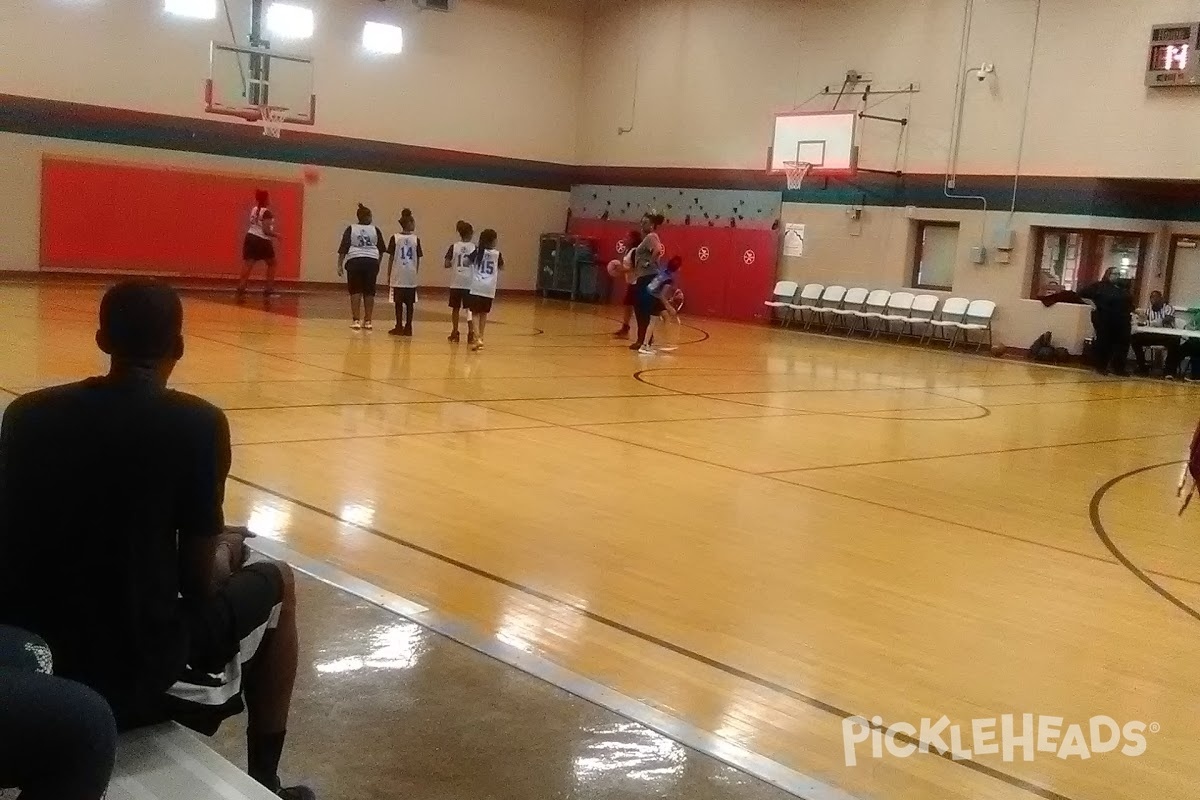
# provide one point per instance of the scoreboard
(1173, 58)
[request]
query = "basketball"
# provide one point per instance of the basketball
(312, 175)
(676, 300)
(616, 268)
(999, 350)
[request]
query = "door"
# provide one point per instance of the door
(1183, 272)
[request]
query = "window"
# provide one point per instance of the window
(935, 255)
(1070, 259)
(379, 37)
(289, 22)
(196, 9)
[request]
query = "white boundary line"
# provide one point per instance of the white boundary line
(758, 766)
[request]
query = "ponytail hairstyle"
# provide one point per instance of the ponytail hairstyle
(407, 222)
(465, 231)
(487, 240)
(364, 215)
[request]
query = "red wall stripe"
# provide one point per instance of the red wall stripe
(99, 216)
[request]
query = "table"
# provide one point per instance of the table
(1180, 332)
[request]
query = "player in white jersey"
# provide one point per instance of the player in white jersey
(404, 259)
(259, 244)
(458, 258)
(486, 262)
(359, 254)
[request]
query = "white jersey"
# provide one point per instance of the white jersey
(486, 270)
(257, 215)
(361, 241)
(462, 274)
(406, 247)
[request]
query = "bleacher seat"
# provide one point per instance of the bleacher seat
(167, 762)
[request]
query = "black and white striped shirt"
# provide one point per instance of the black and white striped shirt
(1159, 318)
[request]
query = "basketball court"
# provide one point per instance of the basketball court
(758, 536)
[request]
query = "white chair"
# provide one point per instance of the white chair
(782, 295)
(953, 312)
(873, 309)
(924, 309)
(852, 302)
(831, 298)
(899, 306)
(978, 319)
(810, 297)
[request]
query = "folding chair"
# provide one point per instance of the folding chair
(810, 297)
(852, 302)
(783, 294)
(831, 298)
(924, 309)
(977, 319)
(873, 309)
(899, 306)
(953, 311)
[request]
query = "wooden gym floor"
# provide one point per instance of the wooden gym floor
(761, 534)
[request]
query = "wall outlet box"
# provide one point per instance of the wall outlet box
(1006, 239)
(978, 255)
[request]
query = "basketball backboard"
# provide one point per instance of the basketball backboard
(825, 139)
(242, 81)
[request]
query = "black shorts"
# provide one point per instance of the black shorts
(477, 304)
(404, 294)
(223, 636)
(256, 248)
(362, 276)
(630, 294)
(460, 298)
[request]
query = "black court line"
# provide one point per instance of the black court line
(629, 630)
(1106, 539)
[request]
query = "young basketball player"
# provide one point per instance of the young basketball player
(631, 243)
(259, 244)
(486, 262)
(663, 288)
(406, 248)
(458, 258)
(645, 266)
(359, 255)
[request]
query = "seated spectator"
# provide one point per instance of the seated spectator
(113, 547)
(1159, 315)
(58, 737)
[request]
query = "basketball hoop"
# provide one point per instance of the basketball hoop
(272, 118)
(796, 172)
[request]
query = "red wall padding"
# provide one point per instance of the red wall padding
(727, 272)
(158, 220)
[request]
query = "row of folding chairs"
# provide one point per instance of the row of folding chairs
(881, 312)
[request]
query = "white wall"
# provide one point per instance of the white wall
(713, 72)
(495, 78)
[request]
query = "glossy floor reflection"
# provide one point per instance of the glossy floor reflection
(387, 709)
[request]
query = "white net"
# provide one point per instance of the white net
(272, 121)
(796, 172)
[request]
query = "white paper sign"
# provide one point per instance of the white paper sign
(793, 240)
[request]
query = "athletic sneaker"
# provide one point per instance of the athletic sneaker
(636, 346)
(394, 332)
(356, 325)
(470, 338)
(368, 326)
(645, 350)
(453, 337)
(297, 793)
(478, 345)
(623, 333)
(407, 330)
